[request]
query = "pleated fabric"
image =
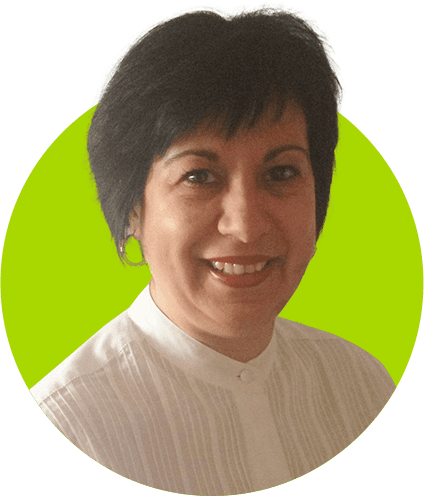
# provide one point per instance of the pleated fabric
(154, 405)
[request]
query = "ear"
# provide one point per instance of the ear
(136, 222)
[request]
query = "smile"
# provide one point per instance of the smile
(238, 269)
(241, 271)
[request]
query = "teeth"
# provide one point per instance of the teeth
(231, 269)
(250, 269)
(218, 265)
(260, 266)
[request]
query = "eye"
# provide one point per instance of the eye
(199, 176)
(281, 173)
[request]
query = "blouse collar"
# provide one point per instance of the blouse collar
(195, 358)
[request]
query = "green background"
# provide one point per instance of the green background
(55, 58)
(62, 279)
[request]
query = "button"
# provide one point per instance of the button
(246, 376)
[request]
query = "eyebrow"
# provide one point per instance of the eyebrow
(274, 153)
(213, 157)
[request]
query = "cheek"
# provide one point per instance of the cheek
(299, 223)
(169, 230)
(157, 234)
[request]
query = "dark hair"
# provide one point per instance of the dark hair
(200, 65)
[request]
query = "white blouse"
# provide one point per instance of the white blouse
(151, 403)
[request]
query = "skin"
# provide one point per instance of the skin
(210, 197)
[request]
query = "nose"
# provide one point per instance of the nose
(243, 213)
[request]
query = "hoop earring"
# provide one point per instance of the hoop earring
(125, 257)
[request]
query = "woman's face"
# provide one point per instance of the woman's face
(228, 226)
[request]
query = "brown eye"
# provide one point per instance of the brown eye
(281, 173)
(199, 176)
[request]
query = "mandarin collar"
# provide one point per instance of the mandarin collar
(195, 358)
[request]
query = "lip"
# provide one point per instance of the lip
(242, 280)
(241, 260)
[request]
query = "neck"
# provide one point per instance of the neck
(240, 348)
(239, 339)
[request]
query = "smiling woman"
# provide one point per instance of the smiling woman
(223, 276)
(213, 146)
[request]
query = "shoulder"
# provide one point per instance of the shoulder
(330, 356)
(93, 355)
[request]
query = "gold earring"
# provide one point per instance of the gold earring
(125, 257)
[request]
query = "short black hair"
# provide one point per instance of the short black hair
(202, 64)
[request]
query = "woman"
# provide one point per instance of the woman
(213, 146)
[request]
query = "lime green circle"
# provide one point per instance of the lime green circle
(62, 279)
